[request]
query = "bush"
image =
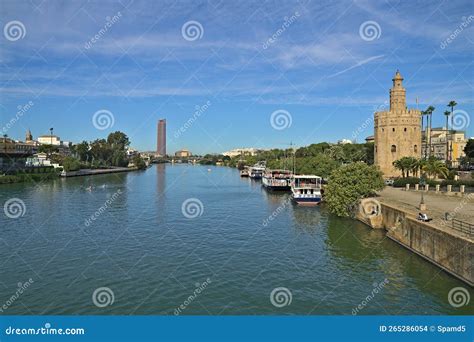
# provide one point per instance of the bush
(350, 183)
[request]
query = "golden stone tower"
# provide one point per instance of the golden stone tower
(397, 131)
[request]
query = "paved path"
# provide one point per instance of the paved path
(462, 208)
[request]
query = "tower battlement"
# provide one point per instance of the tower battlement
(397, 131)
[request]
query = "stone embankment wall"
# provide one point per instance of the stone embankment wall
(450, 251)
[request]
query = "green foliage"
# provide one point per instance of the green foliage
(138, 161)
(71, 164)
(350, 183)
(435, 167)
(469, 149)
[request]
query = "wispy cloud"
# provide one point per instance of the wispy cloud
(358, 64)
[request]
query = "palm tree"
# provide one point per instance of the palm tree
(435, 167)
(429, 111)
(423, 113)
(399, 166)
(452, 104)
(447, 113)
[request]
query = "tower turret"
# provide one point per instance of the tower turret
(397, 94)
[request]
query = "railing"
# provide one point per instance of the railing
(463, 227)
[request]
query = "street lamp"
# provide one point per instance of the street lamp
(422, 201)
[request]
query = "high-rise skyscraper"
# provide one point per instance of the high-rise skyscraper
(161, 138)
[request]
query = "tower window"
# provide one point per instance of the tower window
(405, 129)
(415, 148)
(394, 148)
(393, 129)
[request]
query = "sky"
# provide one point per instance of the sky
(228, 74)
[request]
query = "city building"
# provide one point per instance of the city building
(397, 131)
(161, 138)
(456, 141)
(242, 152)
(183, 153)
(14, 153)
(344, 142)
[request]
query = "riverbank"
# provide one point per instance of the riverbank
(437, 241)
(92, 172)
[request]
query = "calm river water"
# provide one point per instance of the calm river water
(126, 246)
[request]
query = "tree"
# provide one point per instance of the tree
(406, 165)
(350, 183)
(435, 167)
(82, 151)
(118, 141)
(71, 164)
(447, 113)
(138, 161)
(469, 149)
(429, 111)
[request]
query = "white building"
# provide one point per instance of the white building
(52, 140)
(242, 152)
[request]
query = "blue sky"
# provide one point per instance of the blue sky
(321, 67)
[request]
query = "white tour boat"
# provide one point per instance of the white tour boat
(277, 180)
(306, 189)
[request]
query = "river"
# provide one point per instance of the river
(224, 252)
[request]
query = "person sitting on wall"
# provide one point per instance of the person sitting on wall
(424, 217)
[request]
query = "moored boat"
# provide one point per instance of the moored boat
(256, 171)
(244, 172)
(306, 189)
(278, 180)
